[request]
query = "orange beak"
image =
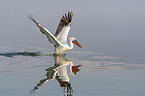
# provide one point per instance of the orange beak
(77, 43)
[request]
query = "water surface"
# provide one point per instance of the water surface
(78, 73)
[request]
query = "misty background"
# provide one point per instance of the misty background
(110, 26)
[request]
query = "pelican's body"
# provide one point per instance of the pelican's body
(63, 47)
(59, 40)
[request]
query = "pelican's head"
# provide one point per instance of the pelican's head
(75, 42)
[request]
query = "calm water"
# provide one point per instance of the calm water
(111, 62)
(31, 73)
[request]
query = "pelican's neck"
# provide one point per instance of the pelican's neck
(71, 44)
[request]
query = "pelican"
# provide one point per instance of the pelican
(59, 40)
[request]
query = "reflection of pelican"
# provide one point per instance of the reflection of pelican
(59, 40)
(60, 73)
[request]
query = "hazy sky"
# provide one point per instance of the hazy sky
(112, 25)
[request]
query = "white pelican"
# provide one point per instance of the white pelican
(59, 40)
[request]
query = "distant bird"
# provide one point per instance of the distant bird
(59, 40)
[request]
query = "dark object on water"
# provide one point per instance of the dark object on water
(11, 54)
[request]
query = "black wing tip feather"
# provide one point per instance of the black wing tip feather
(31, 17)
(70, 15)
(65, 21)
(67, 18)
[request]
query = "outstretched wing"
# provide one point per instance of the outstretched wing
(50, 37)
(64, 27)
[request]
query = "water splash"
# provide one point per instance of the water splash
(11, 54)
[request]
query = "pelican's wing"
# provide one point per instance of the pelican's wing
(64, 27)
(50, 37)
